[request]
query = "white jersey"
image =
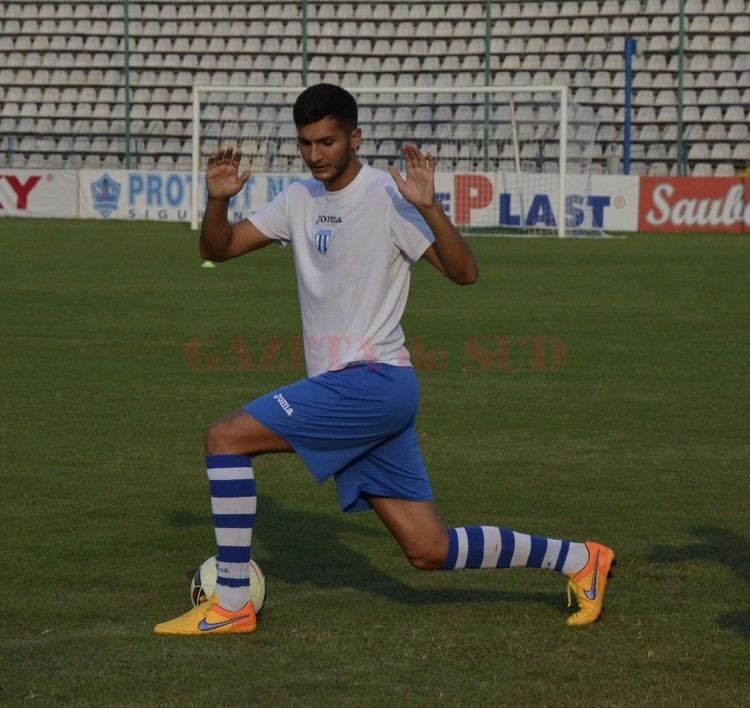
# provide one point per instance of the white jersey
(353, 251)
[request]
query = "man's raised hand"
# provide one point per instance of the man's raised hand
(419, 186)
(223, 178)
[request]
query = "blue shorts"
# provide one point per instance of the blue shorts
(357, 425)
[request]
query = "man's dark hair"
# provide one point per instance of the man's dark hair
(325, 101)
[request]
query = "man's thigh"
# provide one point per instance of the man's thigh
(240, 434)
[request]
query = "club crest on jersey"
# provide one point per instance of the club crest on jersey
(323, 239)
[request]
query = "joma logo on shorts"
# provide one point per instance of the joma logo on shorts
(283, 403)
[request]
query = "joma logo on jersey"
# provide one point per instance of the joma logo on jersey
(329, 220)
(283, 403)
(323, 240)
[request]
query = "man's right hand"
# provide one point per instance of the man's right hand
(223, 178)
(221, 240)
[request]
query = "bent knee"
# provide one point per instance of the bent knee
(240, 434)
(213, 437)
(426, 561)
(220, 439)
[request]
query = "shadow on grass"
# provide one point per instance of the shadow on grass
(307, 547)
(720, 546)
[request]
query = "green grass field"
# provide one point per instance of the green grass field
(579, 389)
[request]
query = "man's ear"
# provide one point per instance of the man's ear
(356, 139)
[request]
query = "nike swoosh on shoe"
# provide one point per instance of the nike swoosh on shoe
(208, 626)
(591, 592)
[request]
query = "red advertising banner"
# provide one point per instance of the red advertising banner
(720, 204)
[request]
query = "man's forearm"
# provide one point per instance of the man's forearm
(455, 253)
(216, 231)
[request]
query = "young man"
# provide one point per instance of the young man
(355, 232)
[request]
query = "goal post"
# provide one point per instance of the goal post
(510, 159)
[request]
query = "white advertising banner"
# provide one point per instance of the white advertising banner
(134, 194)
(608, 203)
(38, 193)
(165, 196)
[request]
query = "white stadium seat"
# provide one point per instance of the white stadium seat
(721, 151)
(724, 169)
(722, 62)
(708, 97)
(698, 151)
(716, 132)
(666, 97)
(705, 79)
(739, 132)
(724, 43)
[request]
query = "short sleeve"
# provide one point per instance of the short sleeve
(273, 220)
(407, 227)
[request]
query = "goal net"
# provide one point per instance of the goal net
(510, 160)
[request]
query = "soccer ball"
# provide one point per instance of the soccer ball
(203, 583)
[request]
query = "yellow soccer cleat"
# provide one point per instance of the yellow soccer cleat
(210, 618)
(589, 584)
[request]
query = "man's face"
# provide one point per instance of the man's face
(328, 149)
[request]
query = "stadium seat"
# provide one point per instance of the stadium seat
(649, 132)
(712, 114)
(698, 151)
(722, 62)
(724, 43)
(730, 96)
(721, 151)
(738, 132)
(663, 80)
(658, 169)
(656, 152)
(708, 97)
(724, 169)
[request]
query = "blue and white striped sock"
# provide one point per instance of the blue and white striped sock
(493, 547)
(233, 503)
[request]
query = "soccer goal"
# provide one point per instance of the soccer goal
(510, 160)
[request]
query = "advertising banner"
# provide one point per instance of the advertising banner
(133, 194)
(531, 201)
(706, 204)
(469, 199)
(164, 196)
(43, 193)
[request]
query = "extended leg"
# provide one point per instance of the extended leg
(430, 546)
